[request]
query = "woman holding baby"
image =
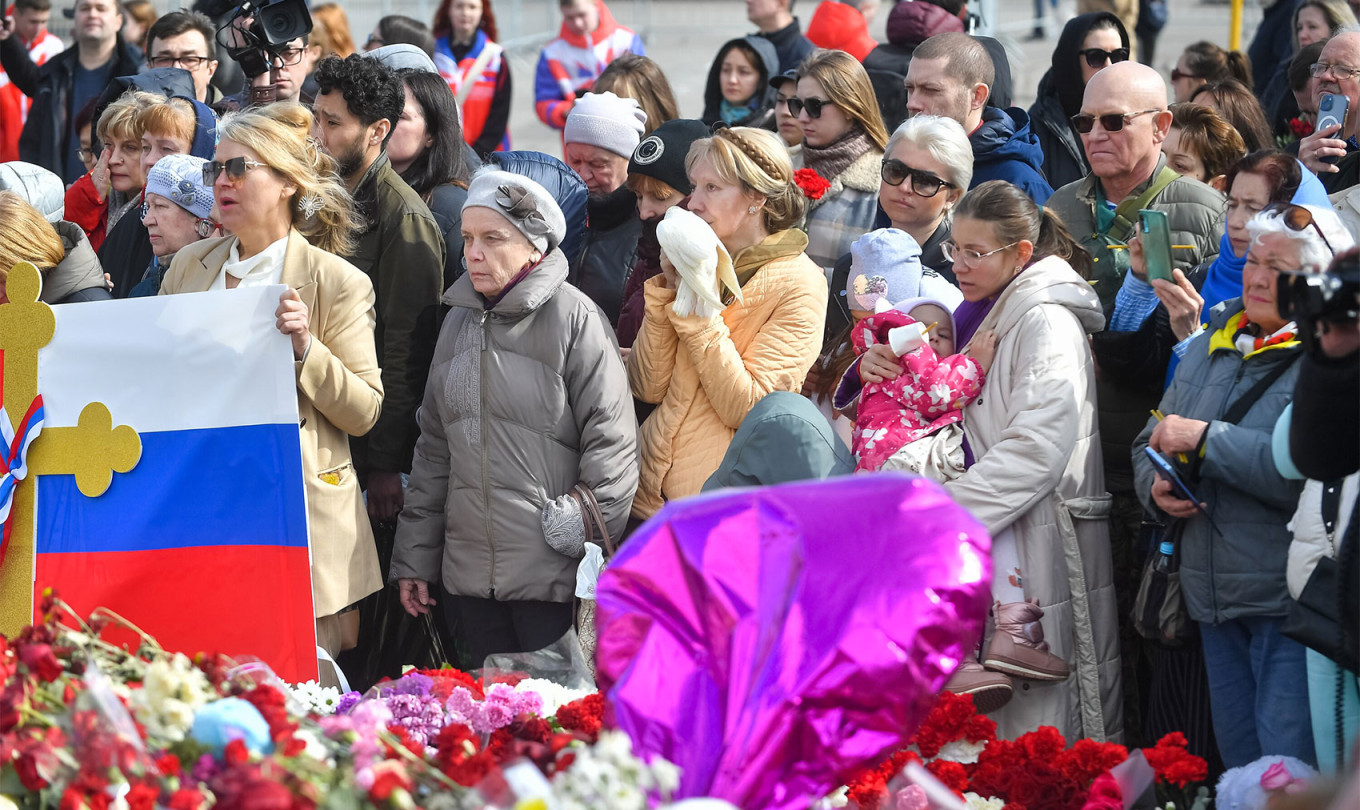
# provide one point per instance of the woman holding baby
(1033, 468)
(705, 372)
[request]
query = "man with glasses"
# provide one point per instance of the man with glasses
(186, 40)
(292, 63)
(951, 75)
(401, 249)
(66, 83)
(1333, 153)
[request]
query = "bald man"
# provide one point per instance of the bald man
(1337, 71)
(1128, 170)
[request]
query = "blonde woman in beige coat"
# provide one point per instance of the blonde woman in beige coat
(705, 374)
(1035, 478)
(264, 167)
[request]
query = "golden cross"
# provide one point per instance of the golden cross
(92, 451)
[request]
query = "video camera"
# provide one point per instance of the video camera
(1310, 298)
(257, 31)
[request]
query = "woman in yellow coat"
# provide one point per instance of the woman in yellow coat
(275, 190)
(705, 374)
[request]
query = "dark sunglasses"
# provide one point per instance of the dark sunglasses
(1098, 57)
(1176, 75)
(812, 105)
(235, 168)
(1297, 218)
(924, 184)
(1112, 122)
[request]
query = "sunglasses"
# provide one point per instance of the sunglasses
(1177, 75)
(812, 105)
(1098, 57)
(1298, 219)
(235, 168)
(924, 184)
(1112, 122)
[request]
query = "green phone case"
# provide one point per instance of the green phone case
(1156, 238)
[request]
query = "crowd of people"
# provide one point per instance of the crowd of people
(860, 257)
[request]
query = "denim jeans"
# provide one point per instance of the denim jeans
(1258, 690)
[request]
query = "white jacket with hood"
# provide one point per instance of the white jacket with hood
(1036, 443)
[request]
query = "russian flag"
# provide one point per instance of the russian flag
(203, 544)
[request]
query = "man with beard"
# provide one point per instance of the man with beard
(401, 249)
(601, 133)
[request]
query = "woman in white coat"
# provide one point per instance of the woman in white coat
(1035, 476)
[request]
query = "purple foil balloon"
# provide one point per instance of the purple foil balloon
(772, 641)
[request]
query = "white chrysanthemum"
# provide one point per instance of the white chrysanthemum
(963, 751)
(554, 695)
(976, 802)
(316, 698)
(171, 692)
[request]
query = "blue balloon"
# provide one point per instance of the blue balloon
(222, 721)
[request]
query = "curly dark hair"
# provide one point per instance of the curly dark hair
(371, 89)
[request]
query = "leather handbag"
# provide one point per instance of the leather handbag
(585, 608)
(1312, 619)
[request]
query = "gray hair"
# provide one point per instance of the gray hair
(944, 139)
(1313, 252)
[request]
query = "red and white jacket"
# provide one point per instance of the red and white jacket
(571, 64)
(14, 105)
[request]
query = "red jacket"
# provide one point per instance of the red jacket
(84, 208)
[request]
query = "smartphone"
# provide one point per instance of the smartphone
(1165, 470)
(1332, 110)
(1156, 239)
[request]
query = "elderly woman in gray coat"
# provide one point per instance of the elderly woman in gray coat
(1233, 382)
(526, 399)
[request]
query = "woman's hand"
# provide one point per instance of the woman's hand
(1176, 434)
(879, 364)
(1182, 301)
(624, 352)
(669, 278)
(982, 348)
(292, 321)
(99, 175)
(415, 596)
(1162, 495)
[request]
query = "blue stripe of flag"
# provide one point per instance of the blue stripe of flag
(236, 486)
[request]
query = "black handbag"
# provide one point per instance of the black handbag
(1312, 619)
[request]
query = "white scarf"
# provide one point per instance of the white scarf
(260, 270)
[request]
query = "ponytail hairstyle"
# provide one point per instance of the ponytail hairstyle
(1014, 216)
(1236, 104)
(279, 134)
(1213, 64)
(758, 161)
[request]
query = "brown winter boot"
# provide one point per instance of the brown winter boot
(990, 690)
(1017, 647)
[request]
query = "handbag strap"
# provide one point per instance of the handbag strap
(591, 507)
(1243, 404)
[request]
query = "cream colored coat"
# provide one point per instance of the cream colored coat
(705, 374)
(339, 395)
(1038, 472)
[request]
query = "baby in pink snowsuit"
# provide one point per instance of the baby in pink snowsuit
(930, 394)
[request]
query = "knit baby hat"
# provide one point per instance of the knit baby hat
(884, 264)
(700, 260)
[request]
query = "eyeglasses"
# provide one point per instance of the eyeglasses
(235, 168)
(1112, 122)
(1177, 75)
(924, 184)
(1098, 57)
(1297, 218)
(289, 56)
(85, 155)
(812, 105)
(1319, 69)
(954, 253)
(186, 62)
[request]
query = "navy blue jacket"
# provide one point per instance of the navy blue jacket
(1004, 148)
(561, 182)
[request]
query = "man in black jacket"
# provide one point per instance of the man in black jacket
(776, 22)
(66, 83)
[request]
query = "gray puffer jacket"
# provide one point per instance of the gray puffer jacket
(1238, 570)
(523, 401)
(79, 277)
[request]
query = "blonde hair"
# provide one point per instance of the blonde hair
(844, 81)
(331, 31)
(279, 134)
(639, 78)
(26, 236)
(175, 117)
(121, 118)
(757, 160)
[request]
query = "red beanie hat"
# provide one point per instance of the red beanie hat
(841, 27)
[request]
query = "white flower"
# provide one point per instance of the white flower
(315, 698)
(554, 695)
(976, 802)
(837, 799)
(963, 751)
(171, 692)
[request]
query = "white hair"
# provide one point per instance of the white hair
(1313, 251)
(944, 139)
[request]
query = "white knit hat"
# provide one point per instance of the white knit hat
(524, 204)
(606, 121)
(179, 179)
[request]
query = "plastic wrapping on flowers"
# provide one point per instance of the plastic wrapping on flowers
(85, 724)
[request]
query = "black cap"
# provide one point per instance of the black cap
(661, 155)
(790, 75)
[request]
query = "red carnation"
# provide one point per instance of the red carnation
(1173, 764)
(812, 184)
(953, 774)
(388, 776)
(236, 753)
(40, 660)
(186, 799)
(142, 797)
(584, 716)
